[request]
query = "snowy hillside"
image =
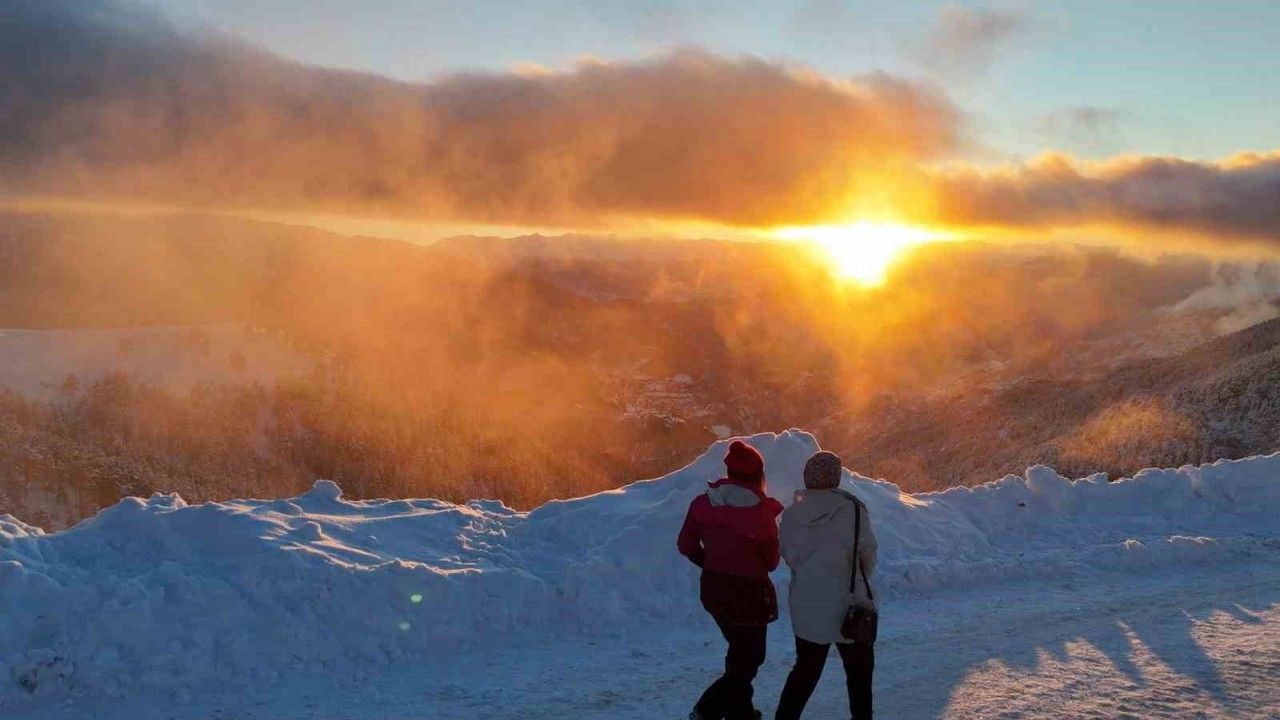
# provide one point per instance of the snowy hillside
(160, 600)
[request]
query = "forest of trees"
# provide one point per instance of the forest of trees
(63, 460)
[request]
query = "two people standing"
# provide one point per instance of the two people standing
(731, 533)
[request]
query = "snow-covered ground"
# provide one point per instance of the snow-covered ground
(35, 363)
(1035, 596)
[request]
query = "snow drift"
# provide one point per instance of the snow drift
(158, 596)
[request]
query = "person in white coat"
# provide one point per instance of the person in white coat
(817, 542)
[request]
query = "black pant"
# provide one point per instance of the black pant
(859, 660)
(729, 697)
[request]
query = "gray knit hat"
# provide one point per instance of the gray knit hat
(822, 471)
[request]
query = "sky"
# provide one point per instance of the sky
(1091, 77)
(1151, 125)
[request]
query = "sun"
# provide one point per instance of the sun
(862, 251)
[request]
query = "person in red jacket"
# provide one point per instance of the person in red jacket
(731, 532)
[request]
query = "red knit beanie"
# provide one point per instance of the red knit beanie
(744, 462)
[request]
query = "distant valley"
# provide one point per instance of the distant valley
(224, 357)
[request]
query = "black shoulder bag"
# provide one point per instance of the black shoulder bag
(860, 623)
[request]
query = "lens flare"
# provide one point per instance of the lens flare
(862, 251)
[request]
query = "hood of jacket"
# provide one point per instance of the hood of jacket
(819, 507)
(727, 492)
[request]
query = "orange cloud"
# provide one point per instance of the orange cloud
(122, 105)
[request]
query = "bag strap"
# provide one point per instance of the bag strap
(857, 559)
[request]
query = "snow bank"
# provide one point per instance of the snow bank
(157, 596)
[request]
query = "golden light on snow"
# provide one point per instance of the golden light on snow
(862, 251)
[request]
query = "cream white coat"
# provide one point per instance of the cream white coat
(816, 536)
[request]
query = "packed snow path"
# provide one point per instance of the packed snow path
(1163, 647)
(1032, 596)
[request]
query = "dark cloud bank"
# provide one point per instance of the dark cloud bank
(1238, 199)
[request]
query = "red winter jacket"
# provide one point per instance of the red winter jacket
(731, 532)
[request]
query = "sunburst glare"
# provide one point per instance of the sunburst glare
(863, 251)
